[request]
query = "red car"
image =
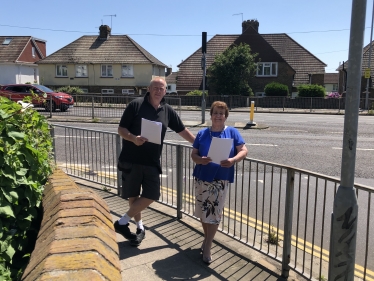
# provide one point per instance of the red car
(17, 92)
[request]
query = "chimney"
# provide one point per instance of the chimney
(168, 71)
(250, 23)
(104, 32)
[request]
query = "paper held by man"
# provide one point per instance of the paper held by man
(219, 149)
(151, 130)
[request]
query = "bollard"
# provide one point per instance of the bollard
(251, 123)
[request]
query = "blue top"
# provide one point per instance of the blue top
(213, 171)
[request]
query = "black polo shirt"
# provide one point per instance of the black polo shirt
(149, 153)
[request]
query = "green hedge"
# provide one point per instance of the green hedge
(25, 164)
(275, 89)
(70, 90)
(196, 93)
(311, 91)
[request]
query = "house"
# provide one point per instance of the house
(102, 64)
(171, 80)
(280, 59)
(331, 82)
(343, 68)
(18, 57)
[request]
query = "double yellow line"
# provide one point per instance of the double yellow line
(255, 224)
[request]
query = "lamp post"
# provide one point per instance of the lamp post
(345, 211)
(368, 79)
(203, 66)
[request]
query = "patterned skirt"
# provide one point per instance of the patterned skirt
(210, 200)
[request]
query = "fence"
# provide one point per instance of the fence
(109, 106)
(281, 211)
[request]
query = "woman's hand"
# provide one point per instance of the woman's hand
(228, 162)
(205, 160)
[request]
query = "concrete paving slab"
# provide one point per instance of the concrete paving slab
(171, 249)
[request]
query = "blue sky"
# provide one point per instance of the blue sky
(171, 29)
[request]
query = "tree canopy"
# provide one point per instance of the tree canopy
(231, 71)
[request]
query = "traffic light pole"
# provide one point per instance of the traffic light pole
(203, 102)
(203, 66)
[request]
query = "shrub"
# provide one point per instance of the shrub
(275, 89)
(196, 93)
(70, 90)
(25, 164)
(311, 91)
(333, 95)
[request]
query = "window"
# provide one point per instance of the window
(61, 70)
(33, 52)
(81, 70)
(334, 87)
(7, 41)
(35, 75)
(107, 91)
(127, 70)
(106, 70)
(267, 69)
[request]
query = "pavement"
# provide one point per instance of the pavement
(171, 248)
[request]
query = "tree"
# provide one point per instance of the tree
(231, 71)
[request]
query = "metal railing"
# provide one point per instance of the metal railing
(281, 211)
(102, 106)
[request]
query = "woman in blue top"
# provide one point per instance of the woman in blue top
(212, 180)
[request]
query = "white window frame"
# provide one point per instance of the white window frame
(106, 70)
(334, 87)
(33, 52)
(127, 70)
(267, 69)
(61, 70)
(81, 70)
(107, 91)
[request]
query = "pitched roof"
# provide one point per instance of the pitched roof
(91, 49)
(299, 59)
(331, 78)
(190, 71)
(11, 52)
(171, 78)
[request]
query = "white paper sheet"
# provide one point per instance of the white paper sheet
(220, 149)
(151, 130)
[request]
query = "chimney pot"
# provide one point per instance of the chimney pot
(250, 23)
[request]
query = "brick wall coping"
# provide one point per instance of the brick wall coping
(76, 240)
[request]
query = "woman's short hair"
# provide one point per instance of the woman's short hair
(219, 104)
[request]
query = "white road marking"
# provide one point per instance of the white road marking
(261, 144)
(363, 149)
(63, 136)
(293, 131)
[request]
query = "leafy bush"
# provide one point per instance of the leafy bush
(311, 91)
(196, 93)
(275, 89)
(70, 90)
(25, 164)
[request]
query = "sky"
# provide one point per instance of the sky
(171, 29)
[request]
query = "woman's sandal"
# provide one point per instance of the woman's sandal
(207, 260)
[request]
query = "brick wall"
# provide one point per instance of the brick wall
(76, 240)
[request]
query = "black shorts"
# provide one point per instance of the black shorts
(137, 177)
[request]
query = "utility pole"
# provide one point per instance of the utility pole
(345, 211)
(111, 17)
(203, 66)
(369, 70)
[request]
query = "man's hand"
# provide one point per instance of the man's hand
(139, 140)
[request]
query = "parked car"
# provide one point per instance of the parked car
(43, 98)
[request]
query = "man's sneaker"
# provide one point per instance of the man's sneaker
(124, 230)
(140, 234)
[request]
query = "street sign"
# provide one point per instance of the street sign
(367, 73)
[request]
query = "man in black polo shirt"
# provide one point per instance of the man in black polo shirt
(139, 160)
